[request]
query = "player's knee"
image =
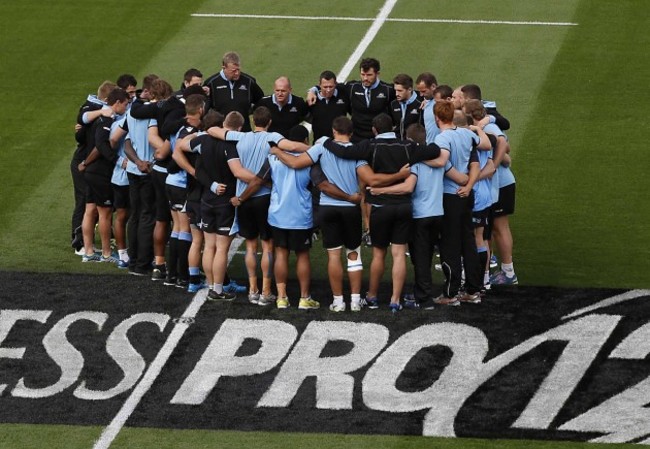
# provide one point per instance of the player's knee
(353, 257)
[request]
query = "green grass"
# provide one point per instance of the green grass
(583, 212)
(78, 437)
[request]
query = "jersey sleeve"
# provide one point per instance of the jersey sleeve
(315, 152)
(234, 136)
(353, 152)
(232, 153)
(421, 153)
(196, 143)
(102, 136)
(265, 171)
(317, 175)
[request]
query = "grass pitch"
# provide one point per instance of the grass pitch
(575, 97)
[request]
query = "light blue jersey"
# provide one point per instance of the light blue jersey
(483, 187)
(120, 177)
(459, 142)
(139, 137)
(340, 172)
(178, 179)
(506, 177)
(494, 186)
(427, 196)
(253, 148)
(429, 119)
(156, 167)
(290, 206)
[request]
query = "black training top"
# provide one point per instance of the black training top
(240, 95)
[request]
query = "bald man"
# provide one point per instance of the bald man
(287, 110)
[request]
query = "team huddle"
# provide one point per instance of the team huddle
(171, 177)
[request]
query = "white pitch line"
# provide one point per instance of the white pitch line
(234, 248)
(627, 296)
(369, 19)
(110, 433)
(377, 23)
(344, 72)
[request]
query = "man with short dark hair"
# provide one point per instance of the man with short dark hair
(473, 92)
(426, 84)
(330, 103)
(368, 98)
(129, 84)
(192, 77)
(406, 109)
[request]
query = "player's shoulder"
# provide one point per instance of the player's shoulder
(245, 77)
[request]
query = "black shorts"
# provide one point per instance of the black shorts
(390, 224)
(217, 219)
(252, 218)
(480, 218)
(177, 197)
(121, 196)
(340, 226)
(162, 203)
(99, 190)
(506, 203)
(292, 239)
(193, 211)
(487, 231)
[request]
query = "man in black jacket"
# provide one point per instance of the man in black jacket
(287, 110)
(368, 98)
(233, 90)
